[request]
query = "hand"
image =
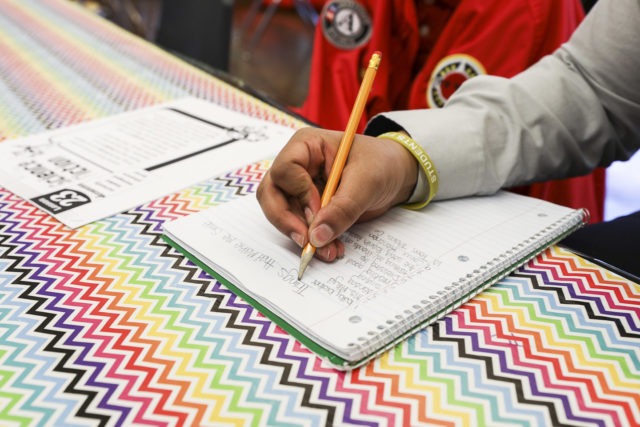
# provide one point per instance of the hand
(378, 175)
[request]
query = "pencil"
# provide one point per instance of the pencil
(343, 149)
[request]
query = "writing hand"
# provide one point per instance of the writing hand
(378, 175)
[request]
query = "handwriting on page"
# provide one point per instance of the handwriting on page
(376, 263)
(266, 262)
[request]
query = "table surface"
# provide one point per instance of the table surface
(107, 325)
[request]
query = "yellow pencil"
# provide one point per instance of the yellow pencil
(344, 148)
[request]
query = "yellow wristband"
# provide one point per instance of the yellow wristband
(423, 159)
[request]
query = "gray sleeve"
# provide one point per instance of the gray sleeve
(569, 113)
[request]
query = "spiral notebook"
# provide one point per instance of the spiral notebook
(400, 272)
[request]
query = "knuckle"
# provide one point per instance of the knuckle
(262, 186)
(279, 174)
(347, 210)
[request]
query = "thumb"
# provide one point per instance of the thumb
(377, 176)
(333, 220)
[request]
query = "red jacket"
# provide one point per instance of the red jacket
(429, 48)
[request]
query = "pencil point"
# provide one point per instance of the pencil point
(305, 258)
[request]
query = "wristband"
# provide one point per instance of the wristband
(423, 159)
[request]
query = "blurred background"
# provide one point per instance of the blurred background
(265, 47)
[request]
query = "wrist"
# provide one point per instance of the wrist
(427, 183)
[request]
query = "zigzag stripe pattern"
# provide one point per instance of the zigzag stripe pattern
(107, 324)
(62, 66)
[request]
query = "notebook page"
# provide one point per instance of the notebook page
(396, 267)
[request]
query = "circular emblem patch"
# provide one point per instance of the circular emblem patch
(448, 75)
(346, 24)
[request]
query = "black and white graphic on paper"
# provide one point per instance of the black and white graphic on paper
(91, 170)
(239, 133)
(61, 200)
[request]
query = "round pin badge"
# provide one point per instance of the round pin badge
(448, 75)
(345, 24)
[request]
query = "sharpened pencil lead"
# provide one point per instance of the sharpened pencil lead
(305, 258)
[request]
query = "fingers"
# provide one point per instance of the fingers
(281, 212)
(379, 174)
(331, 251)
(298, 165)
(288, 194)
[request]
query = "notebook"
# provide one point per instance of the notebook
(400, 272)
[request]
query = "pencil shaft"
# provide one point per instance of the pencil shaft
(350, 131)
(344, 148)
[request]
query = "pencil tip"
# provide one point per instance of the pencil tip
(304, 262)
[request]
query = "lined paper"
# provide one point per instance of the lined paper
(398, 269)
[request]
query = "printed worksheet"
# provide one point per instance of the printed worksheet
(90, 171)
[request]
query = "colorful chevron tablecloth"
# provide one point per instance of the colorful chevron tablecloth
(107, 325)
